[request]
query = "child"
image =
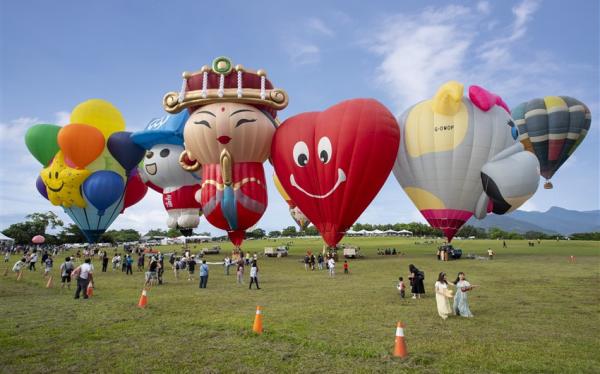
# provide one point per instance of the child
(345, 267)
(401, 287)
(18, 266)
(240, 272)
(48, 267)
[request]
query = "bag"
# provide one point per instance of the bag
(421, 275)
(68, 268)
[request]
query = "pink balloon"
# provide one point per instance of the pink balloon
(38, 239)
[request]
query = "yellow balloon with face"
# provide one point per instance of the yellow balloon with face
(244, 131)
(62, 183)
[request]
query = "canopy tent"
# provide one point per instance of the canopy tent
(5, 239)
(405, 233)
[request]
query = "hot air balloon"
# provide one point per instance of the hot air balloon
(552, 128)
(459, 157)
(295, 212)
(333, 163)
(161, 171)
(87, 165)
(229, 132)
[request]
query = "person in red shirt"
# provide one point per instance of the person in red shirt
(346, 267)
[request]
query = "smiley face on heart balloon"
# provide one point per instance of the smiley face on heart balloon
(333, 163)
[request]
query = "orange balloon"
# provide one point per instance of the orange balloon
(81, 144)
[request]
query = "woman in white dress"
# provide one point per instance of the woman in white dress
(442, 296)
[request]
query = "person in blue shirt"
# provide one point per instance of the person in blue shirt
(203, 274)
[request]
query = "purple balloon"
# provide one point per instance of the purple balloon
(124, 150)
(41, 187)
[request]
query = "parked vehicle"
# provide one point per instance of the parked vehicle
(281, 251)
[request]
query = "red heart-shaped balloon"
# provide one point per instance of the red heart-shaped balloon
(333, 163)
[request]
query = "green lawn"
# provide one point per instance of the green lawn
(534, 312)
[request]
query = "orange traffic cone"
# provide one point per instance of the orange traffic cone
(90, 289)
(143, 299)
(20, 275)
(49, 284)
(257, 327)
(400, 346)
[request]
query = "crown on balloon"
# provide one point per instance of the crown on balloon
(225, 82)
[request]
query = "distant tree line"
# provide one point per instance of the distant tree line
(39, 223)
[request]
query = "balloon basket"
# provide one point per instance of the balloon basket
(548, 185)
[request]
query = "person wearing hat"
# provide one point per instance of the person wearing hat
(163, 140)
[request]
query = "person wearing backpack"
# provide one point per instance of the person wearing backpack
(66, 268)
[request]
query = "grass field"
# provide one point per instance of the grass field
(534, 312)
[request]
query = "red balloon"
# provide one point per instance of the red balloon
(136, 189)
(333, 163)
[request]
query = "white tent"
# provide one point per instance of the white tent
(6, 239)
(405, 233)
(376, 232)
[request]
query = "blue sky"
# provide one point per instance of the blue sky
(57, 54)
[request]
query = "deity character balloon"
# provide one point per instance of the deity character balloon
(229, 132)
(80, 173)
(459, 158)
(161, 170)
(552, 128)
(333, 163)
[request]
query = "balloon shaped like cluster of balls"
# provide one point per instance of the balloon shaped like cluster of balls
(89, 166)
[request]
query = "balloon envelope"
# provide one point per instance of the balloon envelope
(333, 163)
(81, 144)
(135, 190)
(38, 239)
(100, 114)
(552, 128)
(103, 188)
(446, 142)
(124, 150)
(41, 187)
(41, 140)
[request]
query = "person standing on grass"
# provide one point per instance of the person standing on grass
(203, 274)
(191, 267)
(254, 275)
(172, 260)
(115, 261)
(401, 287)
(152, 273)
(490, 254)
(32, 261)
(331, 267)
(441, 296)
(461, 302)
(48, 266)
(320, 261)
(240, 272)
(416, 279)
(129, 265)
(7, 256)
(104, 261)
(140, 262)
(226, 264)
(84, 276)
(306, 261)
(66, 268)
(346, 267)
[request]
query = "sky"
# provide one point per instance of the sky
(54, 55)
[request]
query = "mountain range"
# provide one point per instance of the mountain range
(553, 221)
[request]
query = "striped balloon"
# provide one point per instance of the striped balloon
(552, 128)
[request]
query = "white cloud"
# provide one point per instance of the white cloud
(318, 26)
(419, 52)
(484, 7)
(303, 53)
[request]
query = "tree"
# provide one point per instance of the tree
(120, 236)
(274, 234)
(156, 232)
(22, 232)
(45, 219)
(311, 231)
(257, 234)
(71, 234)
(172, 233)
(289, 231)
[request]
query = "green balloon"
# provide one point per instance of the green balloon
(41, 140)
